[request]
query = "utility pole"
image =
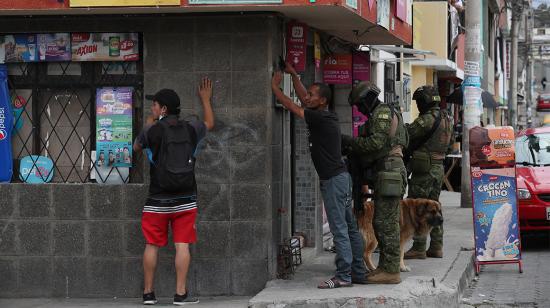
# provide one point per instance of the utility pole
(531, 121)
(517, 10)
(471, 90)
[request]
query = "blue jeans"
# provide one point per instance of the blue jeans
(348, 242)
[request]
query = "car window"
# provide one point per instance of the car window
(533, 149)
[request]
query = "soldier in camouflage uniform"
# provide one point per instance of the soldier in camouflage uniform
(381, 148)
(429, 144)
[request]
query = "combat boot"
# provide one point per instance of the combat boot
(381, 277)
(434, 252)
(414, 254)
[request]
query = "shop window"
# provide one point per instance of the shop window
(57, 115)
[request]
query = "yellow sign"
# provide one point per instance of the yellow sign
(89, 3)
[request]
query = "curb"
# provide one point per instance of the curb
(416, 291)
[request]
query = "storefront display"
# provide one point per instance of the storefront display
(114, 127)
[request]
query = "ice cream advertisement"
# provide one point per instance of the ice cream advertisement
(492, 146)
(495, 213)
(105, 46)
(114, 127)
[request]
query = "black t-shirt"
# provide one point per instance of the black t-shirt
(150, 139)
(324, 142)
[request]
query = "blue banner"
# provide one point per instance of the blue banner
(6, 127)
(495, 214)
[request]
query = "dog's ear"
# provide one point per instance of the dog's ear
(420, 208)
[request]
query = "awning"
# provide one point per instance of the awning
(395, 49)
(457, 97)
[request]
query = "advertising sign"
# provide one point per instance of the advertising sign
(317, 49)
(36, 169)
(105, 46)
(496, 224)
(6, 126)
(19, 48)
(337, 69)
(54, 47)
(361, 67)
(296, 45)
(92, 3)
(492, 146)
(114, 127)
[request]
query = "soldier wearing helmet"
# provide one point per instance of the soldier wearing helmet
(381, 147)
(430, 137)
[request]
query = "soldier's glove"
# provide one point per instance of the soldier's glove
(347, 142)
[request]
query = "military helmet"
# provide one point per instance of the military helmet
(426, 97)
(363, 92)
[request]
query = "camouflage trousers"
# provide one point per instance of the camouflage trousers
(428, 185)
(386, 222)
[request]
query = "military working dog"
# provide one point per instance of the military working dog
(418, 217)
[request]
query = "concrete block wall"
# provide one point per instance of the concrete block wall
(71, 240)
(85, 239)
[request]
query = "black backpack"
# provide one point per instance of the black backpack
(175, 165)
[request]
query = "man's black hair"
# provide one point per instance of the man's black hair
(324, 91)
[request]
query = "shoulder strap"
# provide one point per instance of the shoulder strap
(427, 136)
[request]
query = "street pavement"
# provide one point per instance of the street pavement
(431, 283)
(503, 285)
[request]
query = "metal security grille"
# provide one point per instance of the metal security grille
(56, 116)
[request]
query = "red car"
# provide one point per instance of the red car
(543, 102)
(533, 178)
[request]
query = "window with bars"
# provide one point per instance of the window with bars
(57, 116)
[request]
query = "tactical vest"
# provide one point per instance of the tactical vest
(438, 144)
(398, 138)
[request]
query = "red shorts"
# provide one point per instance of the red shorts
(155, 227)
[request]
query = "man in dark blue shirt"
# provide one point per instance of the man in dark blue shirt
(325, 148)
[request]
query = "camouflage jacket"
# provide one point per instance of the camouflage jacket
(378, 142)
(437, 144)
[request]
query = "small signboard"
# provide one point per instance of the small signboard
(296, 45)
(105, 46)
(114, 127)
(494, 196)
(495, 214)
(337, 69)
(361, 67)
(36, 169)
(492, 146)
(19, 48)
(54, 47)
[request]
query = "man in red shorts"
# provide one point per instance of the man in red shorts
(177, 208)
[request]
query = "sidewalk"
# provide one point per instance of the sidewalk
(431, 282)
